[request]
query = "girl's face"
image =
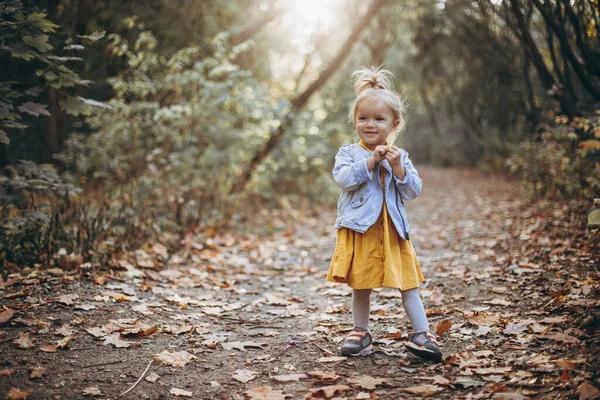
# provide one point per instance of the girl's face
(374, 121)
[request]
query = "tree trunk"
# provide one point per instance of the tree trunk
(567, 50)
(538, 61)
(300, 100)
(534, 116)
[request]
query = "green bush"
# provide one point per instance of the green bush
(564, 163)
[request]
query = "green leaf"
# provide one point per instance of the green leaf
(74, 106)
(34, 108)
(39, 42)
(93, 37)
(594, 218)
(4, 137)
(39, 21)
(17, 50)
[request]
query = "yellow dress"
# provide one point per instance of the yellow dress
(377, 258)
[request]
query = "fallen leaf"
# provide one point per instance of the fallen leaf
(509, 396)
(180, 392)
(588, 392)
(23, 341)
(96, 332)
(92, 391)
(153, 377)
(290, 377)
(331, 359)
(554, 320)
(330, 391)
(6, 315)
(514, 329)
(37, 372)
(17, 394)
(177, 359)
(467, 382)
(324, 376)
(244, 375)
(498, 302)
(48, 349)
(65, 330)
(6, 372)
(115, 339)
(443, 326)
(68, 299)
(363, 395)
(64, 342)
(265, 393)
(493, 371)
(367, 382)
(242, 345)
(426, 391)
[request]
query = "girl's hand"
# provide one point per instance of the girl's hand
(379, 153)
(393, 156)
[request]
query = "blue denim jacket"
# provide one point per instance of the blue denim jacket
(361, 199)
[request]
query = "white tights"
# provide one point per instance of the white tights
(361, 305)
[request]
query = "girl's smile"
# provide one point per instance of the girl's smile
(374, 122)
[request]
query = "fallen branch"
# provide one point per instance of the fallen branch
(138, 381)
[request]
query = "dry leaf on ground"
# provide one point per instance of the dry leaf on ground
(588, 392)
(23, 341)
(181, 392)
(37, 372)
(324, 376)
(92, 391)
(426, 391)
(443, 326)
(68, 299)
(244, 375)
(509, 396)
(6, 372)
(265, 393)
(153, 377)
(331, 359)
(17, 394)
(290, 377)
(115, 339)
(367, 382)
(6, 315)
(177, 359)
(330, 391)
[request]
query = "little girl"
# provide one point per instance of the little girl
(373, 248)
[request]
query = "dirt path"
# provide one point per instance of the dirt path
(253, 318)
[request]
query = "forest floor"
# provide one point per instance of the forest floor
(512, 289)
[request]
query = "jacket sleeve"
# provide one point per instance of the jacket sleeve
(347, 172)
(409, 187)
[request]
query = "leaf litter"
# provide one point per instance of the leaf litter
(511, 294)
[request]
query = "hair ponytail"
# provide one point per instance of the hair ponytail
(372, 78)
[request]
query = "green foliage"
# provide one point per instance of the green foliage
(178, 132)
(560, 165)
(25, 37)
(30, 195)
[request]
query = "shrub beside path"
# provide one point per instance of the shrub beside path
(512, 289)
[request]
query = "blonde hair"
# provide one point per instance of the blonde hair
(377, 82)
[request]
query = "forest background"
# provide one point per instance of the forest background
(125, 123)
